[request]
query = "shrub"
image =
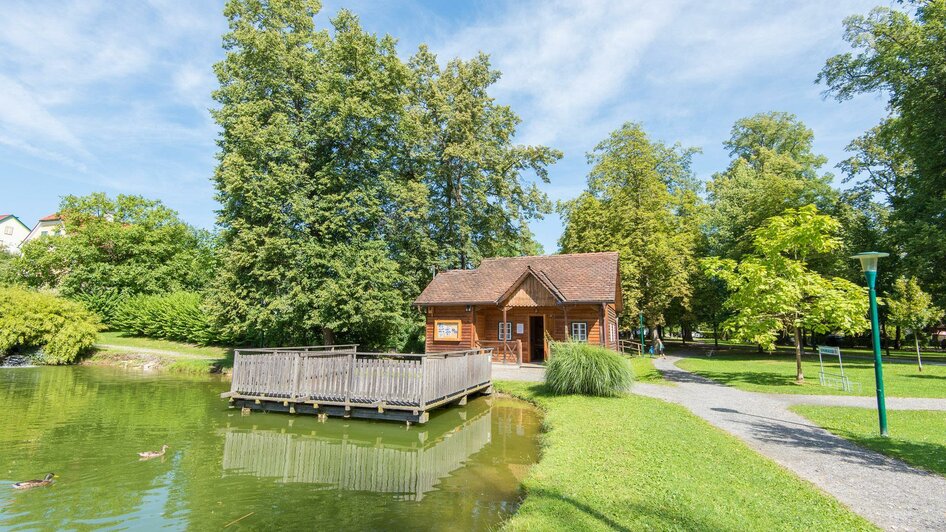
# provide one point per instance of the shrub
(175, 316)
(60, 329)
(587, 369)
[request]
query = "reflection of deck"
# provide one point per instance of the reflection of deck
(407, 471)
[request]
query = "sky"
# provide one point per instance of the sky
(114, 96)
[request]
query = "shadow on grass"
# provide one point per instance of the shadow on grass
(848, 447)
(929, 456)
(924, 376)
(664, 516)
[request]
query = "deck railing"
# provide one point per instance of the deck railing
(339, 375)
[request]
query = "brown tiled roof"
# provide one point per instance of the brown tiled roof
(581, 277)
(50, 218)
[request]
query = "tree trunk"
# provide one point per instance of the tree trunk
(687, 334)
(799, 377)
(916, 341)
(896, 342)
(328, 336)
(715, 336)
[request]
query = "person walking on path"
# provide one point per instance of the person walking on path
(659, 347)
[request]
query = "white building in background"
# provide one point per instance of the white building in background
(12, 233)
(47, 225)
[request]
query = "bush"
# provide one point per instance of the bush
(60, 329)
(587, 369)
(176, 316)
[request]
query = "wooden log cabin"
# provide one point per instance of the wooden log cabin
(517, 304)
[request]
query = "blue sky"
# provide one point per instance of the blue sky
(114, 95)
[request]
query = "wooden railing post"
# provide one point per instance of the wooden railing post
(296, 372)
(348, 379)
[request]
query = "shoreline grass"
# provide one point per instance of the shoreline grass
(917, 437)
(119, 349)
(632, 462)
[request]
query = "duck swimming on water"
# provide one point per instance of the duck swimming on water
(27, 484)
(147, 455)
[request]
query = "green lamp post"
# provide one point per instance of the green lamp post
(869, 265)
(642, 332)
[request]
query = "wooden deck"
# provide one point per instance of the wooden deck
(340, 381)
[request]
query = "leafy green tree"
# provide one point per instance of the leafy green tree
(313, 148)
(912, 308)
(480, 200)
(774, 168)
(113, 248)
(774, 291)
(901, 54)
(642, 202)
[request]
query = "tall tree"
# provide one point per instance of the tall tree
(774, 168)
(641, 201)
(313, 197)
(902, 55)
(346, 173)
(774, 291)
(912, 308)
(480, 198)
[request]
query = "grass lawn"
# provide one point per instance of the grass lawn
(917, 437)
(634, 463)
(120, 338)
(644, 371)
(169, 355)
(776, 374)
(928, 354)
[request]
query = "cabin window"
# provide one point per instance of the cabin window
(505, 331)
(580, 331)
(611, 331)
(8, 230)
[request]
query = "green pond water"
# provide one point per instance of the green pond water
(460, 471)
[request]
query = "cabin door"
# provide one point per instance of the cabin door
(537, 338)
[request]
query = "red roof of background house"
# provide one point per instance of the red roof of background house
(51, 218)
(578, 278)
(5, 216)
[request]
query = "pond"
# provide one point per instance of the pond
(460, 471)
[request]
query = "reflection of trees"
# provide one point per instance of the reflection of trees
(86, 424)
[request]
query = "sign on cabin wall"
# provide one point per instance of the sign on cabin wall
(446, 329)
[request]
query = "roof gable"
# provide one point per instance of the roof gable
(572, 278)
(5, 217)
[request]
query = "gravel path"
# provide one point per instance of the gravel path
(508, 372)
(888, 492)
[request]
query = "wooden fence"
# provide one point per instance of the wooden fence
(341, 376)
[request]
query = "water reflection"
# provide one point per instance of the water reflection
(461, 471)
(406, 464)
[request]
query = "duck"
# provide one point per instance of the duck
(147, 455)
(27, 484)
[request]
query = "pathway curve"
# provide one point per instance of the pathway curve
(888, 492)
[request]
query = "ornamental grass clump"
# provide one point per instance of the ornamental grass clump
(577, 368)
